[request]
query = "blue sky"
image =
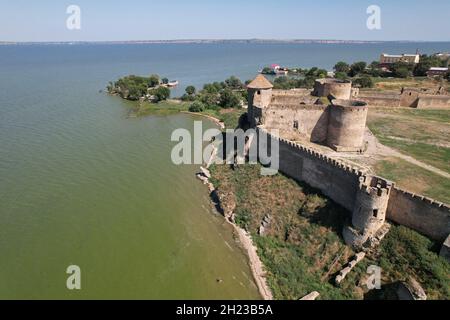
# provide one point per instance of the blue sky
(45, 20)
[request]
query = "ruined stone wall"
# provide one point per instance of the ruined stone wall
(433, 101)
(425, 215)
(338, 89)
(299, 121)
(292, 92)
(382, 100)
(408, 99)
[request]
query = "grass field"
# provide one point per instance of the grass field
(161, 108)
(399, 83)
(298, 253)
(230, 117)
(422, 134)
(414, 178)
(302, 248)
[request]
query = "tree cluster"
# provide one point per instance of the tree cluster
(230, 93)
(135, 87)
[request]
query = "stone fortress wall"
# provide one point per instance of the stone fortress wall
(300, 114)
(347, 125)
(406, 98)
(346, 185)
(341, 126)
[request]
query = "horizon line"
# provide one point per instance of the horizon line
(193, 40)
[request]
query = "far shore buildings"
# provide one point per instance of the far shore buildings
(388, 59)
(436, 71)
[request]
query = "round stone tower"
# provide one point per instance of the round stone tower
(259, 97)
(369, 212)
(347, 125)
(334, 88)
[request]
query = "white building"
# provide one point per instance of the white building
(394, 58)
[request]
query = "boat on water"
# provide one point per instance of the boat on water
(275, 69)
(173, 83)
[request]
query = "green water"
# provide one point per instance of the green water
(83, 184)
(111, 202)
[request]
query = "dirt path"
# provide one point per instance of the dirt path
(436, 144)
(376, 148)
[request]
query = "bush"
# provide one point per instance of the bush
(208, 99)
(402, 72)
(234, 83)
(425, 64)
(186, 97)
(364, 82)
(228, 99)
(342, 67)
(153, 81)
(316, 73)
(357, 68)
(190, 90)
(160, 94)
(402, 69)
(197, 106)
(341, 75)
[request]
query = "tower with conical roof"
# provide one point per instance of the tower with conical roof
(259, 97)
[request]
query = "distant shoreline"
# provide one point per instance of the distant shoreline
(220, 41)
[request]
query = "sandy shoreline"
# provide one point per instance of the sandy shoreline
(245, 239)
(256, 265)
(213, 119)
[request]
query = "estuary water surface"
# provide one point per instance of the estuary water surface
(83, 184)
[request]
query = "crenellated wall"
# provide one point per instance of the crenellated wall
(333, 178)
(342, 183)
(420, 213)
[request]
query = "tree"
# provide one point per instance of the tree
(210, 100)
(190, 90)
(228, 99)
(266, 70)
(341, 75)
(364, 82)
(153, 80)
(402, 69)
(160, 94)
(234, 83)
(321, 73)
(402, 72)
(342, 67)
(374, 65)
(425, 64)
(357, 68)
(197, 106)
(308, 82)
(210, 88)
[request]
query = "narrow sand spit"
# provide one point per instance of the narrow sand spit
(245, 238)
(255, 263)
(246, 242)
(215, 120)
